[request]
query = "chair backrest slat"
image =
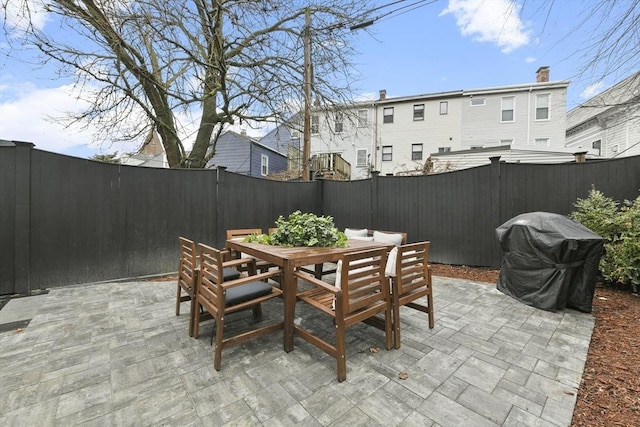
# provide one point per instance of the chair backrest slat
(211, 272)
(188, 261)
(412, 267)
(363, 282)
(242, 232)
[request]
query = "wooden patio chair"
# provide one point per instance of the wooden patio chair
(361, 292)
(262, 265)
(410, 277)
(188, 270)
(221, 297)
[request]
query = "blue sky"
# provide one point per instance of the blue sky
(441, 46)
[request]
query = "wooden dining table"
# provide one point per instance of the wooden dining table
(288, 259)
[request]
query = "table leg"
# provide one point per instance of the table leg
(289, 295)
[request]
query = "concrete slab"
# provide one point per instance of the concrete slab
(17, 312)
(116, 353)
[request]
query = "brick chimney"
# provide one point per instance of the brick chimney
(383, 94)
(542, 75)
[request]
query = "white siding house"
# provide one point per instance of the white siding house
(410, 128)
(608, 125)
(347, 131)
(402, 133)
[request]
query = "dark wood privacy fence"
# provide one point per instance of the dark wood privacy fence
(68, 221)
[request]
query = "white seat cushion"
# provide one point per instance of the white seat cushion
(390, 269)
(352, 232)
(367, 238)
(394, 238)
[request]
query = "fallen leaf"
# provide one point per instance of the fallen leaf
(403, 375)
(569, 392)
(18, 331)
(374, 350)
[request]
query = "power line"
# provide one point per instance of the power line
(405, 8)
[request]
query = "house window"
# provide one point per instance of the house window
(387, 153)
(361, 157)
(444, 149)
(542, 107)
(541, 142)
(597, 145)
(506, 141)
(315, 123)
(444, 108)
(387, 115)
(264, 166)
(416, 151)
(418, 112)
(295, 133)
(363, 118)
(508, 105)
(339, 122)
(477, 102)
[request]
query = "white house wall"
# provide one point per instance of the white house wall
(436, 130)
(348, 142)
(611, 117)
(482, 125)
(472, 158)
(461, 128)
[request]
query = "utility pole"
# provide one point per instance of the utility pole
(306, 150)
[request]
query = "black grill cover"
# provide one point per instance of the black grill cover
(549, 261)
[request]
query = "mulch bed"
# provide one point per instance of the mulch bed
(609, 393)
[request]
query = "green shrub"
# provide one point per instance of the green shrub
(619, 226)
(599, 214)
(304, 229)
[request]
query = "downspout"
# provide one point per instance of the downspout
(375, 137)
(529, 114)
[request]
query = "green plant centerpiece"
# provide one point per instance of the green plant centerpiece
(303, 229)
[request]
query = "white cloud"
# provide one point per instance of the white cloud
(495, 21)
(592, 90)
(530, 59)
(26, 112)
(19, 14)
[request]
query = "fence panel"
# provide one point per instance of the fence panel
(455, 215)
(349, 203)
(77, 231)
(67, 220)
(160, 205)
(247, 202)
(7, 217)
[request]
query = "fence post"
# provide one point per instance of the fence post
(495, 207)
(375, 176)
(22, 248)
(220, 204)
(320, 187)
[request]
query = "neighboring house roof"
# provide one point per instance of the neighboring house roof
(242, 138)
(283, 136)
(150, 154)
(625, 93)
(518, 88)
(463, 159)
(234, 151)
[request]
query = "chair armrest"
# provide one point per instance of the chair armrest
(248, 279)
(317, 282)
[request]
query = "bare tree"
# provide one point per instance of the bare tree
(612, 47)
(149, 63)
